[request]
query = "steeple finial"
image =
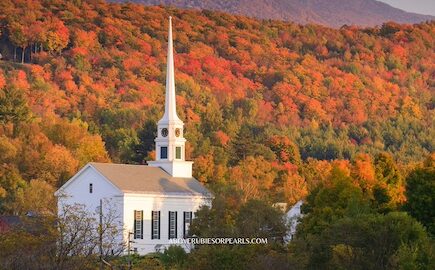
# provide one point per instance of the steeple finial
(170, 100)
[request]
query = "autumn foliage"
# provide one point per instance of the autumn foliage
(270, 107)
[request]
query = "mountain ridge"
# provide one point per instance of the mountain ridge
(351, 12)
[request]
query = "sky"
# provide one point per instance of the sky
(426, 7)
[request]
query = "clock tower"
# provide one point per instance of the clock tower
(170, 143)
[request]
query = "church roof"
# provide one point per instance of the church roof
(145, 179)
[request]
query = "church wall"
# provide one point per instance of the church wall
(77, 192)
(149, 203)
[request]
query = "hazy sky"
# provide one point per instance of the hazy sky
(418, 6)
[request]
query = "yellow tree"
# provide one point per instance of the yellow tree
(58, 165)
(33, 193)
(91, 148)
(56, 35)
(204, 168)
(295, 188)
(76, 138)
(363, 172)
(254, 176)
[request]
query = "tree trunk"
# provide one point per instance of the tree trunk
(15, 54)
(22, 55)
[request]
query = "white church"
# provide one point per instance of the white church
(154, 203)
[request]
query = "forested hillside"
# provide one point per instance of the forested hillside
(332, 13)
(270, 107)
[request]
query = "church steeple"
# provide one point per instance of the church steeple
(170, 143)
(170, 115)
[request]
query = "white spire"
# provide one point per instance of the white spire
(170, 115)
(170, 141)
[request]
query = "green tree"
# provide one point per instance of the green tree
(371, 241)
(285, 149)
(229, 217)
(386, 169)
(146, 144)
(330, 202)
(259, 219)
(18, 34)
(221, 218)
(174, 257)
(121, 144)
(389, 177)
(219, 258)
(420, 195)
(13, 106)
(247, 143)
(12, 187)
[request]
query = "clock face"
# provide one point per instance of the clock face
(164, 132)
(177, 132)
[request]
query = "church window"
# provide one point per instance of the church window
(172, 225)
(178, 152)
(155, 225)
(91, 188)
(186, 224)
(138, 224)
(163, 152)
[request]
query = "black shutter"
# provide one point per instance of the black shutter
(184, 224)
(154, 216)
(152, 224)
(159, 225)
(134, 226)
(187, 221)
(138, 215)
(141, 224)
(176, 218)
(172, 223)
